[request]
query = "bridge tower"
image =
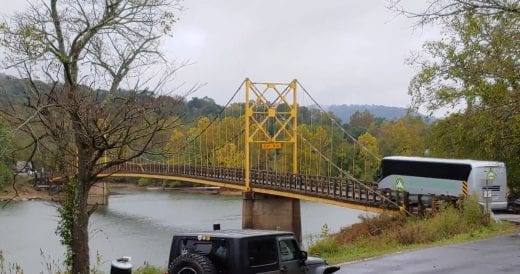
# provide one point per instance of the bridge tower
(271, 120)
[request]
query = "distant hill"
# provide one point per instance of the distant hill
(345, 111)
(12, 91)
(197, 107)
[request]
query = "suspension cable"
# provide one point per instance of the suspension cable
(217, 115)
(367, 188)
(337, 124)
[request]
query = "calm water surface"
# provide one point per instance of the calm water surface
(138, 223)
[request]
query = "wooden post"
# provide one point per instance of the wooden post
(347, 187)
(421, 205)
(406, 202)
(434, 204)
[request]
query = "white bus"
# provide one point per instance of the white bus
(451, 177)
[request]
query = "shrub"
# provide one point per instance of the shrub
(446, 223)
(144, 182)
(413, 233)
(370, 226)
(172, 184)
(472, 212)
(326, 245)
(5, 175)
(376, 235)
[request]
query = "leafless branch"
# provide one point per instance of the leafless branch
(438, 9)
(91, 83)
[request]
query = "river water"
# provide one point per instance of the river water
(138, 223)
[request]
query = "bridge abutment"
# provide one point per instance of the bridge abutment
(264, 211)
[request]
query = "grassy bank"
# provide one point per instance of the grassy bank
(388, 233)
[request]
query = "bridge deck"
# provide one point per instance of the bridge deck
(330, 190)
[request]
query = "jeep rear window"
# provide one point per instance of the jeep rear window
(262, 252)
(216, 250)
(194, 246)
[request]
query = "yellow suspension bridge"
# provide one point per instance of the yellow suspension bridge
(261, 144)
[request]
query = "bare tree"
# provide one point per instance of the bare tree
(92, 69)
(438, 9)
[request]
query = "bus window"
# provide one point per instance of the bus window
(450, 177)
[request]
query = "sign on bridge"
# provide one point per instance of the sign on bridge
(271, 145)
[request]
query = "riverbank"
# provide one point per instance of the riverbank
(391, 233)
(24, 191)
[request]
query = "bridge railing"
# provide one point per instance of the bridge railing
(221, 174)
(336, 188)
(332, 188)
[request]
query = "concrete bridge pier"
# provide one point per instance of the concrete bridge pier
(264, 211)
(98, 194)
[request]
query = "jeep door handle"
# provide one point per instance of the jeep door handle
(284, 269)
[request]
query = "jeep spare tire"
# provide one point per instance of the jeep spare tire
(190, 263)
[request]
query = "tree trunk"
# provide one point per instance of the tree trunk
(79, 245)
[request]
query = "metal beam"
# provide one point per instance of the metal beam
(177, 178)
(319, 200)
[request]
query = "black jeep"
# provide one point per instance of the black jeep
(242, 252)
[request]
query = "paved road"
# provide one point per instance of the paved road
(514, 218)
(497, 255)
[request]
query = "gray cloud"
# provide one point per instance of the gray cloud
(344, 52)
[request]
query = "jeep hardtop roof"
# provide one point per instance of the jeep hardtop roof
(238, 233)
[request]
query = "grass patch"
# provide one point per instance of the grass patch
(148, 269)
(389, 233)
(6, 267)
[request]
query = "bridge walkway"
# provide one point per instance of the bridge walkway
(330, 190)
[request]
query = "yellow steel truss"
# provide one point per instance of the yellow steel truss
(275, 105)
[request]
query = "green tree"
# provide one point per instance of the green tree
(229, 156)
(402, 137)
(360, 122)
(475, 68)
(368, 156)
(178, 145)
(5, 156)
(198, 107)
(317, 138)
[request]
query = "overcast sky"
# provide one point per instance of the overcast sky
(343, 52)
